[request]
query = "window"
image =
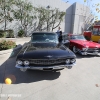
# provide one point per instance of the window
(77, 37)
(95, 30)
(44, 37)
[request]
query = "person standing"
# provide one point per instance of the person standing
(60, 37)
(58, 31)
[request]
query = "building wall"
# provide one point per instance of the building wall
(75, 14)
(81, 15)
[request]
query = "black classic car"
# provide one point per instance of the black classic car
(44, 52)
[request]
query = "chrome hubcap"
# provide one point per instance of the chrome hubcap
(74, 49)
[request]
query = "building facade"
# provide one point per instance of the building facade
(76, 18)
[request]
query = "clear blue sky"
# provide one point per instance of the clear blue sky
(90, 3)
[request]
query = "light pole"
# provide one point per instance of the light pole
(48, 7)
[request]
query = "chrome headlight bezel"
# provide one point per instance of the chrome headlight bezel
(67, 61)
(73, 60)
(85, 49)
(19, 62)
(26, 62)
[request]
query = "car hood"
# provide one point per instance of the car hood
(46, 50)
(86, 43)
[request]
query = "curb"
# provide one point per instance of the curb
(5, 51)
(10, 50)
(8, 39)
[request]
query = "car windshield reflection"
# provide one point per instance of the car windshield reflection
(77, 37)
(44, 37)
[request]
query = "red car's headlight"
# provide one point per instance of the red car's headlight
(84, 49)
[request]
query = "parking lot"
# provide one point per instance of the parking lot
(82, 82)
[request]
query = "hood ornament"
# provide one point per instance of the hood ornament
(49, 56)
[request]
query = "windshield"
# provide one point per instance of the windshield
(44, 37)
(96, 31)
(77, 37)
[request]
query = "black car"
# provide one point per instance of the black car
(44, 52)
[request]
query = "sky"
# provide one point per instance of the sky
(90, 3)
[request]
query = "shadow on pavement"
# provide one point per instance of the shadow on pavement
(8, 70)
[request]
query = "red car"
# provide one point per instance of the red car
(80, 45)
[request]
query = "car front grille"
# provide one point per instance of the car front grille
(93, 49)
(47, 61)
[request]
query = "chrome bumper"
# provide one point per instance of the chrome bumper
(86, 53)
(43, 68)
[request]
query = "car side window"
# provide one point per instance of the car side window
(65, 37)
(72, 37)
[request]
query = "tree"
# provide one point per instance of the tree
(24, 13)
(57, 16)
(95, 9)
(41, 17)
(48, 18)
(5, 11)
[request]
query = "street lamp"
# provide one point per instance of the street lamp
(48, 7)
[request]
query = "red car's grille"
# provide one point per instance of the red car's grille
(47, 61)
(93, 49)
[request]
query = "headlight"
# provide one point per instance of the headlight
(73, 60)
(19, 62)
(67, 61)
(84, 49)
(26, 63)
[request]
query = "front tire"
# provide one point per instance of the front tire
(75, 50)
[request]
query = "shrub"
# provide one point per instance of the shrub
(2, 33)
(10, 33)
(21, 33)
(4, 45)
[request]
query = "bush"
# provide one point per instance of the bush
(4, 45)
(10, 33)
(2, 33)
(7, 33)
(21, 33)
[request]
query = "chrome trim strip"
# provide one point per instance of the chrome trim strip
(25, 50)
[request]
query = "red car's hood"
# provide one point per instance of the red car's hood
(86, 43)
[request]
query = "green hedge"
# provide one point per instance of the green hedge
(4, 45)
(7, 33)
(21, 33)
(2, 33)
(10, 33)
